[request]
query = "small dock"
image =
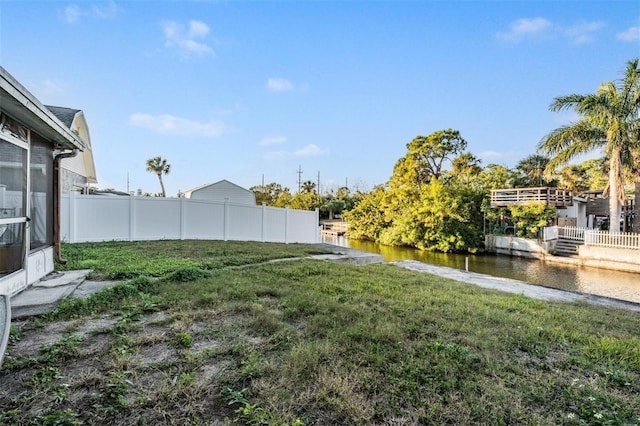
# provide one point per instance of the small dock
(334, 228)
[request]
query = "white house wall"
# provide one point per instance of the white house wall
(223, 191)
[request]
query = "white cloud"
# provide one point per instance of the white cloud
(166, 124)
(310, 150)
(72, 13)
(108, 10)
(272, 140)
(582, 33)
(50, 87)
(543, 29)
(523, 28)
(187, 40)
(279, 85)
(632, 34)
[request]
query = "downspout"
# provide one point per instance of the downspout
(56, 203)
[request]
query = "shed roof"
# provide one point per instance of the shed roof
(189, 191)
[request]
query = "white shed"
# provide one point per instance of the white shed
(222, 191)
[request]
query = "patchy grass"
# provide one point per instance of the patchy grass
(312, 342)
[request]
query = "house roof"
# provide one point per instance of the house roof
(24, 107)
(189, 191)
(66, 115)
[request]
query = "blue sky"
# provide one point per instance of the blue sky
(242, 90)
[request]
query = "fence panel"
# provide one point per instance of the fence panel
(244, 223)
(606, 239)
(203, 220)
(571, 233)
(155, 219)
(104, 218)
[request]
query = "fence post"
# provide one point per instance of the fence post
(132, 215)
(286, 225)
(182, 218)
(264, 221)
(317, 223)
(226, 220)
(72, 217)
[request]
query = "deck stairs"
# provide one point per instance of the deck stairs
(568, 247)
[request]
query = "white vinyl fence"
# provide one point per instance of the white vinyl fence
(95, 218)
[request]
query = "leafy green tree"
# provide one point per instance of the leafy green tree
(495, 176)
(574, 178)
(306, 201)
(596, 172)
(159, 166)
(272, 194)
(427, 156)
(367, 219)
(609, 121)
(528, 219)
(466, 167)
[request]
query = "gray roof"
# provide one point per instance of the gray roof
(66, 115)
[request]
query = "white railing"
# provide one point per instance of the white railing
(618, 240)
(571, 233)
(93, 218)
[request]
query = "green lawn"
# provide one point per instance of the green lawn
(223, 336)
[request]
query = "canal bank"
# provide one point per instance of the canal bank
(508, 285)
(571, 277)
(615, 259)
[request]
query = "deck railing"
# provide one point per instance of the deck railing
(571, 233)
(605, 239)
(549, 196)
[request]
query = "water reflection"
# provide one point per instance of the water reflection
(620, 285)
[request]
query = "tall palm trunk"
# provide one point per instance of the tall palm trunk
(161, 184)
(616, 193)
(636, 207)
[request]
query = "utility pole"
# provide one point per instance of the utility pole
(299, 171)
(318, 182)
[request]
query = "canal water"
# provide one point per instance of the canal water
(602, 282)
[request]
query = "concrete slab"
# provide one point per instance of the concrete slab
(39, 300)
(56, 279)
(348, 255)
(89, 287)
(43, 296)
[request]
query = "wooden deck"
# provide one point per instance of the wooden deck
(334, 228)
(550, 196)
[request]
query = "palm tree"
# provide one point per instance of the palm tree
(532, 169)
(609, 121)
(159, 166)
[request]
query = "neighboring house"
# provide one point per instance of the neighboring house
(80, 171)
(222, 191)
(575, 215)
(33, 142)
